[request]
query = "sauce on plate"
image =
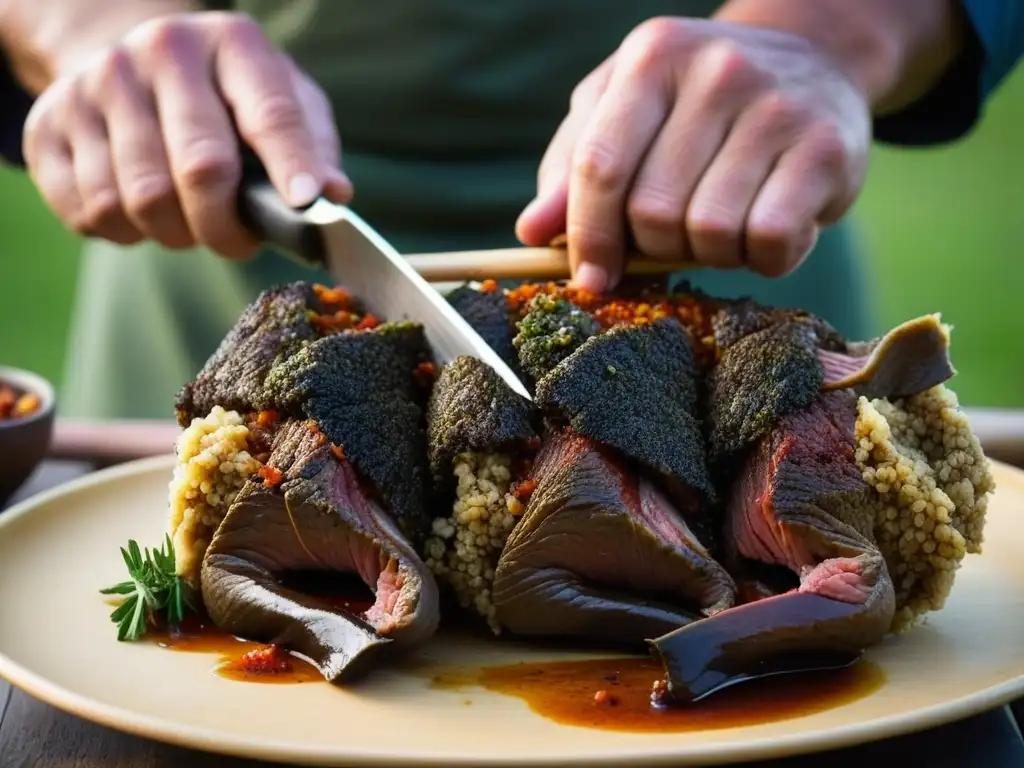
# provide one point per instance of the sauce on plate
(615, 694)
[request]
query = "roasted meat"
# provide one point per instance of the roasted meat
(602, 551)
(602, 554)
(326, 420)
(318, 516)
(799, 502)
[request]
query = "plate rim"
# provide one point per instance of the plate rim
(164, 730)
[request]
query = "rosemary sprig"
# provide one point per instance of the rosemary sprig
(153, 588)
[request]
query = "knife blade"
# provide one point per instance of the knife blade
(331, 236)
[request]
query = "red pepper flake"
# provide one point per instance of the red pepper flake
(272, 476)
(335, 298)
(525, 489)
(604, 699)
(338, 452)
(369, 322)
(425, 374)
(270, 660)
(488, 286)
(267, 419)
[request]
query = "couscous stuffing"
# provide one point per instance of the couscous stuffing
(931, 486)
(463, 549)
(213, 464)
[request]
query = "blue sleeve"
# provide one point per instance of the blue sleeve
(952, 109)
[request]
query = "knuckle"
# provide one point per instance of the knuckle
(209, 165)
(111, 70)
(652, 41)
(149, 195)
(239, 28)
(273, 114)
(777, 113)
(600, 167)
(713, 227)
(827, 149)
(657, 212)
(101, 215)
(163, 39)
(726, 69)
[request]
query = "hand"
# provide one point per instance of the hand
(719, 143)
(140, 142)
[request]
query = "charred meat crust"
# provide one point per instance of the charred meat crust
(361, 391)
(760, 378)
(488, 314)
(634, 389)
(270, 329)
(360, 388)
(472, 409)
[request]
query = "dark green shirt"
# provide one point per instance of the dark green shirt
(445, 108)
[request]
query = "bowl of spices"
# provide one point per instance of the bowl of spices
(27, 403)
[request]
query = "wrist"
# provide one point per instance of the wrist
(893, 51)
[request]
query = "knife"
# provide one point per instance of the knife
(333, 237)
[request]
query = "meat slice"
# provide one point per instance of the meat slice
(600, 553)
(799, 502)
(318, 516)
(908, 360)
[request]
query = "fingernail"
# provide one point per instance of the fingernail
(591, 277)
(303, 189)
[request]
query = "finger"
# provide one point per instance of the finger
(138, 158)
(257, 86)
(623, 125)
(51, 169)
(327, 144)
(715, 89)
(544, 218)
(200, 142)
(717, 213)
(102, 214)
(48, 159)
(782, 227)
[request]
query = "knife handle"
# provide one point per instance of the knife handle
(267, 216)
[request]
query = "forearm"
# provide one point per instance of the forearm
(44, 38)
(894, 51)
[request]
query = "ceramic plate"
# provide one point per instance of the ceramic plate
(57, 643)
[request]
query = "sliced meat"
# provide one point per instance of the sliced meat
(489, 315)
(800, 502)
(319, 516)
(908, 360)
(635, 389)
(600, 553)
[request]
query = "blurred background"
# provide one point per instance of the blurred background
(943, 227)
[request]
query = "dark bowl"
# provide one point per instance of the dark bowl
(24, 442)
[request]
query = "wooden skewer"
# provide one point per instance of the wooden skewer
(518, 264)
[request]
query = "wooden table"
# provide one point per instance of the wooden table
(35, 735)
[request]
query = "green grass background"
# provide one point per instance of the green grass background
(943, 229)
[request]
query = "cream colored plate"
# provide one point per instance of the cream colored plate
(57, 643)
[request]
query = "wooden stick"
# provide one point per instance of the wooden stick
(518, 264)
(1001, 432)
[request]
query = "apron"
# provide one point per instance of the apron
(445, 108)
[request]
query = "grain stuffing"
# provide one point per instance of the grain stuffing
(213, 464)
(931, 485)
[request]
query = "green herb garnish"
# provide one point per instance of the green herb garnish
(154, 588)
